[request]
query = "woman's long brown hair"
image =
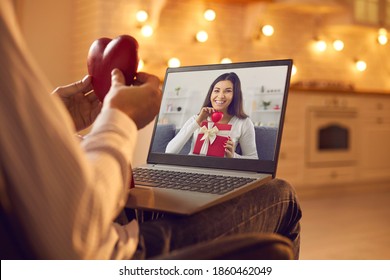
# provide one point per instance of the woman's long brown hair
(236, 106)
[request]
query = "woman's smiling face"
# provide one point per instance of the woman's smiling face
(222, 96)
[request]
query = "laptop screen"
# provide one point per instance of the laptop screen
(251, 99)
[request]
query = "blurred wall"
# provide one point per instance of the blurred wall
(47, 27)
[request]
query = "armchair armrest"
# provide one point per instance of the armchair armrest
(248, 246)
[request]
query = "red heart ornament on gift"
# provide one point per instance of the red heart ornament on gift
(105, 54)
(216, 116)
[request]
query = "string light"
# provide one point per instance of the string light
(226, 60)
(141, 16)
(267, 30)
(294, 70)
(382, 36)
(174, 62)
(338, 45)
(147, 30)
(361, 65)
(202, 36)
(141, 65)
(209, 15)
(320, 45)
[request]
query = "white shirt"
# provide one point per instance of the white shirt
(65, 195)
(242, 132)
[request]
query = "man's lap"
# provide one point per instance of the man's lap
(272, 207)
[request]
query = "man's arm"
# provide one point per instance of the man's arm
(65, 196)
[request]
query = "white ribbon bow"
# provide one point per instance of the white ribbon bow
(209, 133)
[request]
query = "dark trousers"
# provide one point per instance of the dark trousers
(273, 208)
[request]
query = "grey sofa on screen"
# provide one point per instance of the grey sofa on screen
(265, 140)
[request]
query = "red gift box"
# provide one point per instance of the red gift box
(211, 139)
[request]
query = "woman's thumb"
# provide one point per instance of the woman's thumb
(117, 77)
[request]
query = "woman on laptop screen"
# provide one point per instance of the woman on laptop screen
(220, 125)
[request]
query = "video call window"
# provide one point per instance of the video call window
(262, 95)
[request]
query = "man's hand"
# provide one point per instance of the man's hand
(80, 101)
(141, 102)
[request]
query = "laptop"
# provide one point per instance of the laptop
(264, 86)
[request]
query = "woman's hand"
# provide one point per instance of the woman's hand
(80, 101)
(229, 148)
(203, 114)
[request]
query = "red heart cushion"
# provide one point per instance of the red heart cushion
(216, 116)
(106, 54)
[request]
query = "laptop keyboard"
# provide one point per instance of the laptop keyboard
(206, 183)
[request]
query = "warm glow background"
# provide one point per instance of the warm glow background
(59, 34)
